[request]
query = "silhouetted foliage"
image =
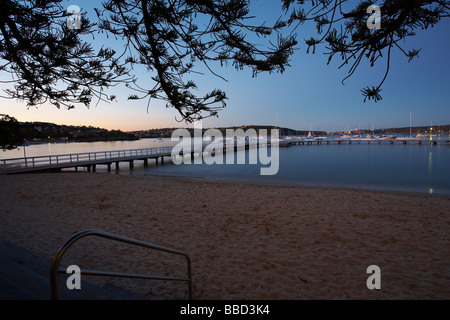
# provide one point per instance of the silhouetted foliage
(167, 38)
(10, 134)
(50, 62)
(342, 27)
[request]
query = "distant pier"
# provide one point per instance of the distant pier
(289, 142)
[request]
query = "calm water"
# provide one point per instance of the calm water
(412, 167)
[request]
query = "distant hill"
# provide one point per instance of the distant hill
(44, 131)
(443, 130)
(423, 129)
(167, 132)
(38, 132)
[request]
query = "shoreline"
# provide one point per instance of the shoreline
(282, 183)
(246, 240)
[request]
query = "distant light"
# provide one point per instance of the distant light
(431, 191)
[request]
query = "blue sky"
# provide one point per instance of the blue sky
(308, 95)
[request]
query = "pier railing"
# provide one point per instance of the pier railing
(113, 155)
(100, 157)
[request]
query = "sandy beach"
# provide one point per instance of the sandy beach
(246, 241)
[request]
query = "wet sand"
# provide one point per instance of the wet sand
(246, 241)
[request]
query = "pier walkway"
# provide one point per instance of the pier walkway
(90, 160)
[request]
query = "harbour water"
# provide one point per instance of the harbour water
(396, 167)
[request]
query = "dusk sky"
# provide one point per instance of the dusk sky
(308, 95)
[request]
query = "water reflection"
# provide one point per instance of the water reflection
(430, 163)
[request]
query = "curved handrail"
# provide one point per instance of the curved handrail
(54, 270)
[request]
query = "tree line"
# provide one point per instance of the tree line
(14, 133)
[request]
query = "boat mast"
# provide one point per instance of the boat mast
(410, 117)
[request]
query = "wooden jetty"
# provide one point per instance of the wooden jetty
(90, 160)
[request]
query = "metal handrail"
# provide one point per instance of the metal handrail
(55, 269)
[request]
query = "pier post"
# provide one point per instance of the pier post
(117, 165)
(131, 164)
(145, 163)
(109, 166)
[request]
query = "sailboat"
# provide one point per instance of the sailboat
(410, 130)
(280, 138)
(312, 137)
